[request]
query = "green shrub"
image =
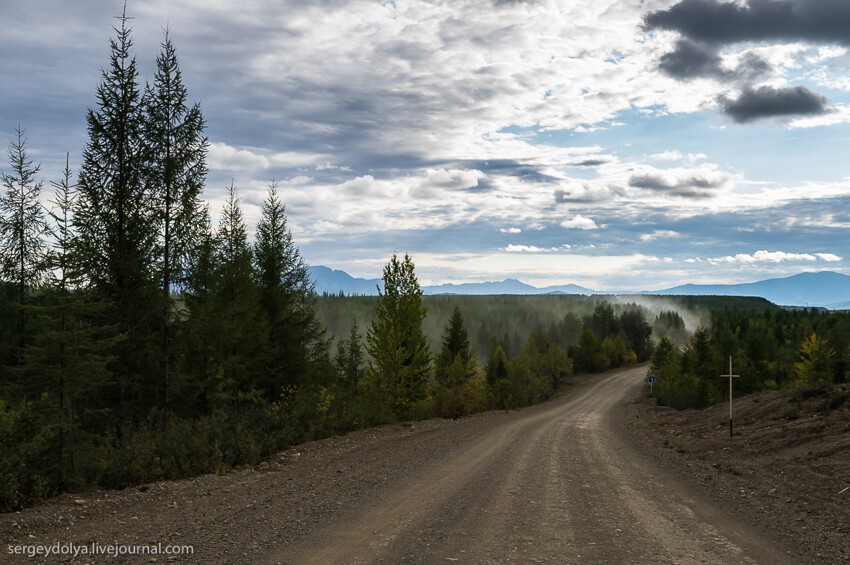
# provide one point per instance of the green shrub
(28, 457)
(467, 398)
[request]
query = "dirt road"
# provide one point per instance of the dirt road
(555, 483)
(552, 485)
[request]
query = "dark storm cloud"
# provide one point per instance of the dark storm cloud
(706, 26)
(752, 66)
(715, 22)
(768, 102)
(695, 185)
(691, 59)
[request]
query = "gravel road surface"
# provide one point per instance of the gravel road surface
(554, 484)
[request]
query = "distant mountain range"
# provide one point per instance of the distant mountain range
(507, 286)
(824, 289)
(335, 281)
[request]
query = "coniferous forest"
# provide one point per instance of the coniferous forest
(140, 342)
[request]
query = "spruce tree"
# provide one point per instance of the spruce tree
(497, 367)
(602, 322)
(175, 170)
(238, 339)
(199, 260)
(274, 254)
(401, 362)
(350, 359)
(286, 297)
(199, 332)
(638, 331)
(455, 352)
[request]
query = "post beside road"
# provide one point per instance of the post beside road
(730, 376)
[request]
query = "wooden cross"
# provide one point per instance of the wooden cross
(730, 376)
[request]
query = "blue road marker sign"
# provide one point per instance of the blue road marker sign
(651, 379)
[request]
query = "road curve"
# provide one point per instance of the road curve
(553, 484)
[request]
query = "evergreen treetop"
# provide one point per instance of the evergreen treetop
(22, 223)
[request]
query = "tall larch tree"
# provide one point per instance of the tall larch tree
(175, 170)
(24, 441)
(22, 231)
(116, 229)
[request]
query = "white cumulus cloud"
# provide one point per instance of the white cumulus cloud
(579, 222)
(224, 157)
(764, 256)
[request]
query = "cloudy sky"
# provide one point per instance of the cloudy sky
(616, 144)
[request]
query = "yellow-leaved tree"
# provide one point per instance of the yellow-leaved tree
(813, 369)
